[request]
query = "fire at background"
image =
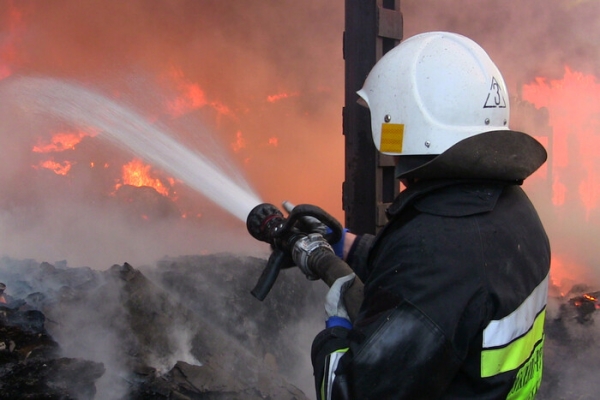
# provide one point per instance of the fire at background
(257, 87)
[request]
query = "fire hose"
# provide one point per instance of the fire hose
(267, 223)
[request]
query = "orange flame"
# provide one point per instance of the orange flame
(280, 96)
(589, 297)
(192, 97)
(58, 168)
(60, 142)
(564, 273)
(573, 104)
(136, 173)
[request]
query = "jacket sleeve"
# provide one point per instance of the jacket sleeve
(327, 350)
(358, 255)
(403, 355)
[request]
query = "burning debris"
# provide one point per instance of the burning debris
(585, 305)
(579, 304)
(55, 178)
(188, 329)
(570, 351)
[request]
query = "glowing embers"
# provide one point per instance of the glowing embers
(584, 305)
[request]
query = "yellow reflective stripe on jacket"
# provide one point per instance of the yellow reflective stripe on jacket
(529, 378)
(510, 341)
(499, 360)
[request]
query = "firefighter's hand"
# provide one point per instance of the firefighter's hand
(313, 225)
(339, 246)
(307, 224)
(334, 302)
(304, 248)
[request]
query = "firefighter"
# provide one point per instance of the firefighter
(455, 284)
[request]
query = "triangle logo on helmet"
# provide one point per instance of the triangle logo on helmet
(495, 97)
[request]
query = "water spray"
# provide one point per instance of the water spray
(117, 123)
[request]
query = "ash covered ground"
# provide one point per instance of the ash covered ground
(188, 328)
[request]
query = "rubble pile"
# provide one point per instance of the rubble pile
(571, 348)
(30, 364)
(187, 329)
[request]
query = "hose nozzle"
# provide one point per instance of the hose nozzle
(264, 221)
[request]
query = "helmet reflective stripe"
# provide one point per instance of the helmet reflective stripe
(441, 87)
(516, 342)
(392, 138)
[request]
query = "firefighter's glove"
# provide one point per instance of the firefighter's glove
(310, 225)
(334, 302)
(304, 248)
(338, 247)
(307, 224)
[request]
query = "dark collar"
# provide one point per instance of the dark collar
(485, 192)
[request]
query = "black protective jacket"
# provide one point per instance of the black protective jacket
(454, 303)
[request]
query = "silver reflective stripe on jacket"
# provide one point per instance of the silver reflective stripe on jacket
(516, 341)
(330, 366)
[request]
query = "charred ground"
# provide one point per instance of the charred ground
(188, 328)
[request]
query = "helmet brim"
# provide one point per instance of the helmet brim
(502, 154)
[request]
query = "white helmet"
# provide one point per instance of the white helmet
(432, 91)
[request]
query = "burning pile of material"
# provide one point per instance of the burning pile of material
(189, 328)
(266, 83)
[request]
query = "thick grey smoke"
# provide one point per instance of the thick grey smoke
(270, 102)
(267, 78)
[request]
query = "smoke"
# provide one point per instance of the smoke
(94, 330)
(244, 73)
(267, 79)
(528, 40)
(240, 57)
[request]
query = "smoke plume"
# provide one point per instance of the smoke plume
(258, 86)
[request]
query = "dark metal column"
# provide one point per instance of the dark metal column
(372, 28)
